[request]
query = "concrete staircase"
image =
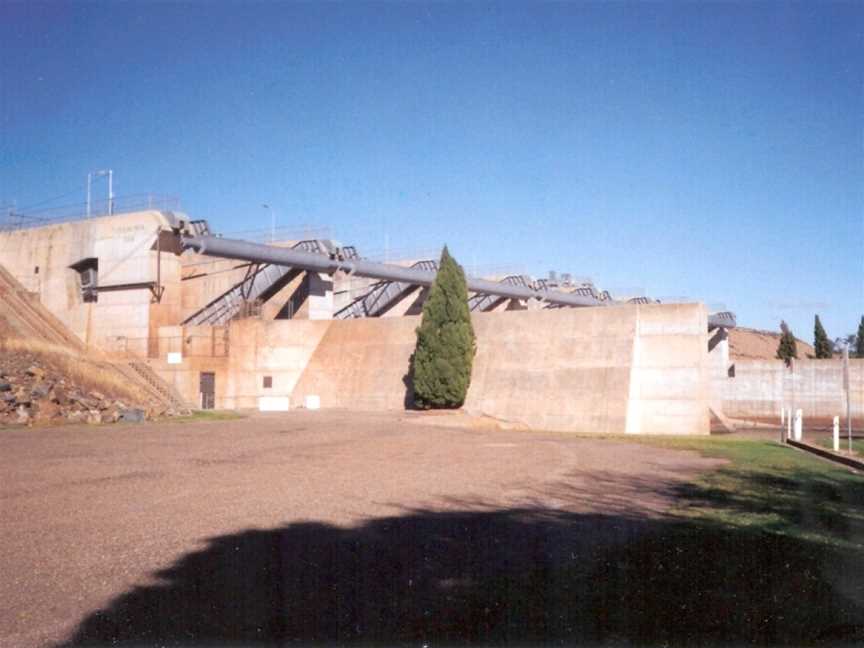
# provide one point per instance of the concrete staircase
(143, 375)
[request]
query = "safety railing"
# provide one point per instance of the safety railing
(12, 219)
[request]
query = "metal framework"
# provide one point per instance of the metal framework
(395, 281)
(262, 280)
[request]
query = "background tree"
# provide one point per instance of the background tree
(859, 343)
(441, 365)
(788, 348)
(821, 343)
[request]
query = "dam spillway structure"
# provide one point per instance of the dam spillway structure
(232, 323)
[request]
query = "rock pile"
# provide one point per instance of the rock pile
(34, 392)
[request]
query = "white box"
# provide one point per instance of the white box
(273, 403)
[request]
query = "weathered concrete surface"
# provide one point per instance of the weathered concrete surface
(360, 364)
(761, 387)
(278, 349)
(629, 369)
(40, 258)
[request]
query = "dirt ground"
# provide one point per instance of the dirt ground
(754, 344)
(155, 533)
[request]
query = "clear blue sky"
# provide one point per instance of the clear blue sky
(708, 151)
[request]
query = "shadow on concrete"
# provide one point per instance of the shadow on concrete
(522, 575)
(408, 381)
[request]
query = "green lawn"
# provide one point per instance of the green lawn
(827, 442)
(766, 550)
(769, 488)
(207, 415)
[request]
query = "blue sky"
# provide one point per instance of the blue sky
(708, 151)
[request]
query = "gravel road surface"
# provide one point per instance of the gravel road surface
(95, 517)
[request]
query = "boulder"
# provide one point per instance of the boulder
(36, 372)
(75, 416)
(39, 391)
(132, 415)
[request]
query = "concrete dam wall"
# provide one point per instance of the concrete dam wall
(629, 369)
(761, 387)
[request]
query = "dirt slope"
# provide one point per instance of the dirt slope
(753, 344)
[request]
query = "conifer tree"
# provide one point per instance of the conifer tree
(788, 348)
(445, 341)
(859, 343)
(821, 343)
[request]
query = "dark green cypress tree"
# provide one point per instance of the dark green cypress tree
(788, 348)
(821, 343)
(859, 343)
(441, 365)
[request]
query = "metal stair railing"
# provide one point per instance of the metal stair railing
(583, 290)
(35, 314)
(484, 301)
(260, 282)
(143, 375)
(382, 295)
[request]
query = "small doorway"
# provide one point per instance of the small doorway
(208, 390)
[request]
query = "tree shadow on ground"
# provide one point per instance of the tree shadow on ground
(521, 575)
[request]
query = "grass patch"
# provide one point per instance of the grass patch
(207, 415)
(827, 442)
(769, 488)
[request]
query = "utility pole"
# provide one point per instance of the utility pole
(848, 400)
(110, 192)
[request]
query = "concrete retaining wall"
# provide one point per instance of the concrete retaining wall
(761, 387)
(629, 369)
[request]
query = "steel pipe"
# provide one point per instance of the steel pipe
(246, 251)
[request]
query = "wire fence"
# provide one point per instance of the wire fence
(12, 219)
(300, 232)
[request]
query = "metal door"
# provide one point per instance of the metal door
(208, 390)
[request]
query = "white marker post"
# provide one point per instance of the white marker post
(836, 434)
(789, 425)
(782, 416)
(799, 420)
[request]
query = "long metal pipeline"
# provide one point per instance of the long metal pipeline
(246, 251)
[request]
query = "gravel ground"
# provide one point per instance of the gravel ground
(92, 513)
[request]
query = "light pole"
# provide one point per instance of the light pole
(272, 222)
(100, 174)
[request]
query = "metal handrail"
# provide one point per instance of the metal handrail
(26, 219)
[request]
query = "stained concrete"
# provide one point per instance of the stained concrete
(629, 369)
(761, 387)
(40, 258)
